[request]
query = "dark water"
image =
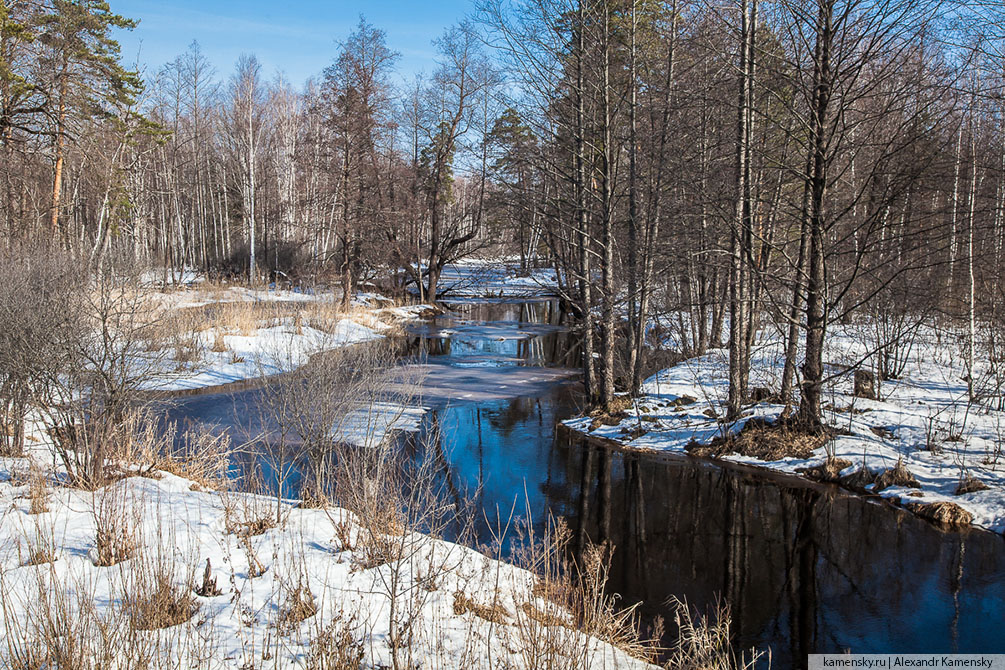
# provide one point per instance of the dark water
(805, 568)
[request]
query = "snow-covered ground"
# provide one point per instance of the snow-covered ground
(271, 343)
(924, 419)
(317, 583)
(495, 278)
(265, 351)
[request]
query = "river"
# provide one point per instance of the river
(804, 567)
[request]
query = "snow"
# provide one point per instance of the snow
(267, 351)
(185, 276)
(928, 406)
(194, 293)
(367, 426)
(495, 278)
(177, 527)
(276, 346)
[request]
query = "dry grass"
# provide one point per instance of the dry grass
(944, 513)
(577, 590)
(116, 522)
(40, 547)
(245, 317)
(896, 476)
(613, 414)
(828, 471)
(58, 628)
(38, 491)
(970, 484)
(859, 479)
(495, 612)
(252, 527)
(705, 642)
(198, 455)
(336, 646)
(298, 605)
(343, 535)
(255, 567)
(599, 613)
(313, 497)
(157, 602)
(375, 551)
(765, 441)
(542, 617)
(219, 344)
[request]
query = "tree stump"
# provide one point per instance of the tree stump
(865, 385)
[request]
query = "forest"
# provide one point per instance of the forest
(276, 357)
(730, 164)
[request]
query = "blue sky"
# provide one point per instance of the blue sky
(296, 38)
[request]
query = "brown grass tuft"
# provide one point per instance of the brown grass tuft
(970, 484)
(158, 603)
(116, 528)
(219, 344)
(38, 491)
(828, 471)
(896, 476)
(299, 606)
(495, 612)
(252, 527)
(336, 647)
(859, 479)
(41, 549)
(765, 441)
(343, 535)
(945, 513)
(541, 617)
(376, 551)
(705, 642)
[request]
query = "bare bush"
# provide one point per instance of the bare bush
(40, 300)
(337, 645)
(705, 642)
(154, 601)
(95, 384)
(117, 526)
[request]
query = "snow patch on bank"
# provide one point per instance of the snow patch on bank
(267, 351)
(277, 345)
(177, 528)
(924, 419)
(495, 278)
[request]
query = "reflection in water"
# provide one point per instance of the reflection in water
(500, 333)
(805, 568)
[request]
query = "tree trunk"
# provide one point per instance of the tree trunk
(816, 319)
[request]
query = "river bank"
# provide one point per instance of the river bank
(923, 443)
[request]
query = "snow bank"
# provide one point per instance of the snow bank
(351, 577)
(923, 420)
(226, 356)
(267, 351)
(495, 278)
